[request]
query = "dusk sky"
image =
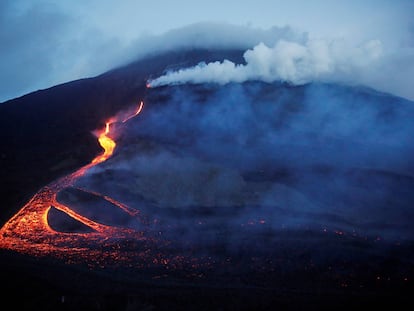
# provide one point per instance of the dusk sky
(45, 43)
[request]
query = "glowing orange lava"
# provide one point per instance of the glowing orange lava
(29, 231)
(106, 143)
(137, 112)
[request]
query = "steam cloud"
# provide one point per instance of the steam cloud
(294, 62)
(213, 163)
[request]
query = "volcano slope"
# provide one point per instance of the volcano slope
(249, 196)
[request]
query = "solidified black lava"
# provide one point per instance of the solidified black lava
(94, 207)
(62, 222)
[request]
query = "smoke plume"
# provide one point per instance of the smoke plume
(288, 61)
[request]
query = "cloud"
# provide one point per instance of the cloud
(205, 35)
(41, 47)
(27, 43)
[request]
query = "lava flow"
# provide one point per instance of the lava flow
(29, 230)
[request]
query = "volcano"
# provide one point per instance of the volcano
(250, 196)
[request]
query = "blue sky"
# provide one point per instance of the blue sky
(44, 43)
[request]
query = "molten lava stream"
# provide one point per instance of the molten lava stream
(29, 232)
(106, 143)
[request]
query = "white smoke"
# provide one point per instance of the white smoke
(288, 61)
